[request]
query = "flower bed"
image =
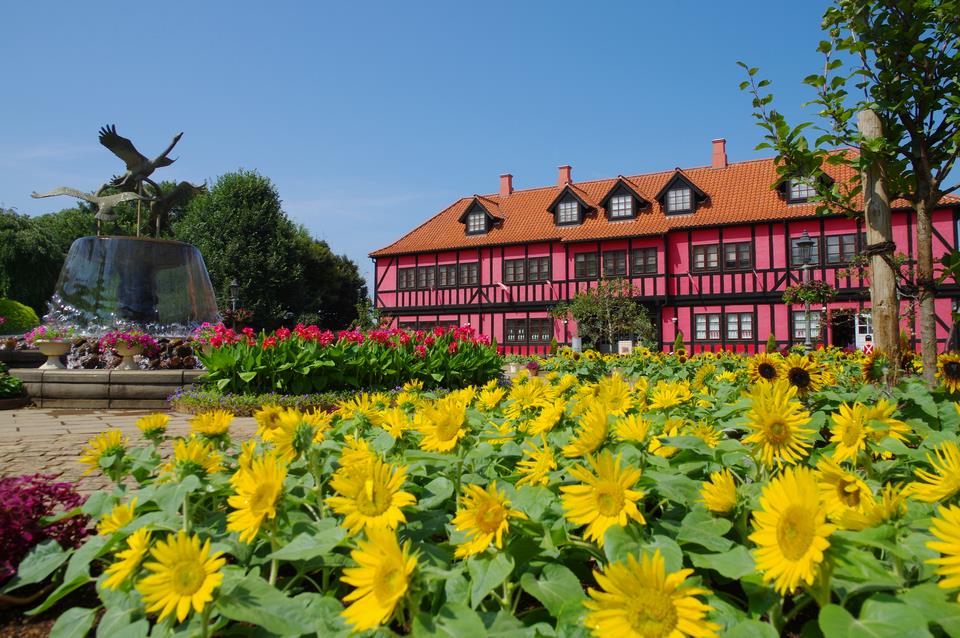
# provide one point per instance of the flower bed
(775, 495)
(307, 360)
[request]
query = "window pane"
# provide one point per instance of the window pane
(801, 189)
(714, 330)
(701, 323)
(621, 206)
(733, 327)
(746, 326)
(678, 199)
(567, 212)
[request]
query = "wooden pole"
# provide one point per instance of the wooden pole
(883, 278)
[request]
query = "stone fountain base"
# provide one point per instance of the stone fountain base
(117, 389)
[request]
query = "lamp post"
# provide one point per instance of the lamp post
(805, 244)
(234, 291)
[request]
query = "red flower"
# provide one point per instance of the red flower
(420, 351)
(269, 342)
(429, 341)
(452, 347)
(438, 331)
(283, 334)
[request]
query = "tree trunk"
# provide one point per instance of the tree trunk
(883, 278)
(927, 292)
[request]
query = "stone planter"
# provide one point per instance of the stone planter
(128, 352)
(12, 403)
(53, 350)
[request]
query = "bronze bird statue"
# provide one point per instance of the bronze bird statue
(104, 203)
(139, 168)
(177, 196)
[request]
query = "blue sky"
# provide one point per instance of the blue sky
(371, 117)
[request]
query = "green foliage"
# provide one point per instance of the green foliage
(30, 261)
(20, 318)
(813, 292)
(771, 343)
(678, 341)
(606, 313)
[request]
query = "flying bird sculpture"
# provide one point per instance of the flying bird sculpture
(178, 196)
(104, 203)
(139, 168)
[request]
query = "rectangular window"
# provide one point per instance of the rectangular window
(707, 327)
(615, 263)
(470, 274)
(738, 256)
(568, 212)
(706, 257)
(841, 248)
(477, 222)
(448, 275)
(406, 278)
(541, 330)
(585, 265)
(800, 325)
(513, 271)
(644, 261)
(796, 259)
(515, 330)
(740, 326)
(538, 269)
(426, 276)
(800, 190)
(621, 206)
(679, 200)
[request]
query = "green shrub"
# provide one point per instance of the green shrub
(20, 318)
(771, 343)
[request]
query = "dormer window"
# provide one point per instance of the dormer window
(477, 218)
(621, 207)
(800, 190)
(679, 200)
(476, 222)
(568, 212)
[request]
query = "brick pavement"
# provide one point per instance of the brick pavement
(51, 441)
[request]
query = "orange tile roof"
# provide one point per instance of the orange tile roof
(738, 193)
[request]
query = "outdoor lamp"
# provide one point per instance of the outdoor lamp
(234, 291)
(805, 244)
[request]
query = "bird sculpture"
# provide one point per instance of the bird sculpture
(104, 203)
(139, 168)
(177, 196)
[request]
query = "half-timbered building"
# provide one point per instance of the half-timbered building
(709, 251)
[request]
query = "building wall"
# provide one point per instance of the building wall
(676, 294)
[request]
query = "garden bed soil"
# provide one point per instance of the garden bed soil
(15, 624)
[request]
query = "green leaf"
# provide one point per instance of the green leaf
(308, 545)
(452, 621)
(735, 564)
(486, 574)
(877, 621)
(73, 623)
(42, 561)
(65, 588)
(256, 601)
(557, 588)
(440, 489)
(79, 564)
(248, 376)
(701, 528)
(936, 605)
(751, 629)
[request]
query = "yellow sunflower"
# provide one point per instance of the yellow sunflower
(119, 517)
(591, 433)
(194, 456)
(381, 579)
(413, 385)
(128, 560)
(183, 575)
(719, 492)
(876, 511)
(671, 428)
(153, 425)
(633, 427)
(490, 398)
(946, 527)
(705, 432)
(548, 418)
(777, 422)
(395, 421)
(258, 491)
(849, 431)
(763, 366)
(790, 530)
(944, 481)
(605, 497)
(525, 398)
(111, 443)
(667, 394)
(373, 499)
(362, 407)
(356, 457)
(296, 432)
(537, 463)
(948, 371)
(484, 517)
(841, 491)
(441, 424)
(803, 373)
(875, 366)
(212, 424)
(640, 600)
(879, 418)
(268, 420)
(614, 394)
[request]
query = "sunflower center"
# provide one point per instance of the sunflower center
(851, 434)
(651, 613)
(951, 369)
(263, 496)
(373, 500)
(609, 499)
(849, 493)
(767, 371)
(447, 429)
(795, 532)
(778, 432)
(799, 377)
(489, 518)
(186, 578)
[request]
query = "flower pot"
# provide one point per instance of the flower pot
(53, 350)
(127, 352)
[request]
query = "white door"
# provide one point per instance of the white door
(864, 328)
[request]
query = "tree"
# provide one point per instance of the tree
(901, 60)
(607, 312)
(30, 261)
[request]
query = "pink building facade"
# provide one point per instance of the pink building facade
(709, 252)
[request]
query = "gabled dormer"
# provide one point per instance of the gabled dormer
(800, 190)
(479, 217)
(680, 196)
(569, 207)
(623, 201)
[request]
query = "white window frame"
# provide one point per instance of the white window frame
(679, 199)
(477, 222)
(568, 212)
(621, 207)
(800, 189)
(800, 325)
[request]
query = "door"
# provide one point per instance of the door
(843, 330)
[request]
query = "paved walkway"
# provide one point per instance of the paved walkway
(50, 441)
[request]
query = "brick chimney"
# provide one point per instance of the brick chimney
(719, 159)
(506, 184)
(564, 178)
